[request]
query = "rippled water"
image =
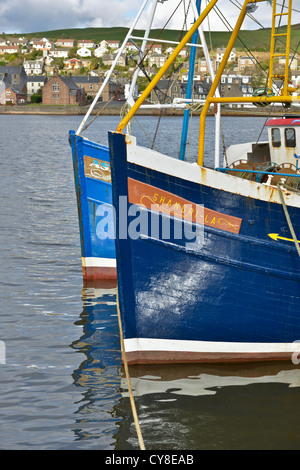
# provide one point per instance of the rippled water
(62, 384)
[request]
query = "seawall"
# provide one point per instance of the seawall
(115, 111)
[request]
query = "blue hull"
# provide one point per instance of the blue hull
(234, 297)
(94, 201)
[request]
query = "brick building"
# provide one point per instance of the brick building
(89, 83)
(13, 85)
(61, 90)
(12, 95)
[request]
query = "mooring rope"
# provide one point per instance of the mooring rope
(288, 218)
(133, 407)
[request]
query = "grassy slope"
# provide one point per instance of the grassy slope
(258, 41)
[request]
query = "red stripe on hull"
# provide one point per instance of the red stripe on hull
(93, 273)
(182, 357)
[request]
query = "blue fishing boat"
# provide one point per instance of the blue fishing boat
(208, 259)
(92, 178)
(92, 166)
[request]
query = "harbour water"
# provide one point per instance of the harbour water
(62, 386)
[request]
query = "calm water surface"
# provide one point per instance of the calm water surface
(62, 384)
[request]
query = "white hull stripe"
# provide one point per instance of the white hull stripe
(149, 344)
(99, 262)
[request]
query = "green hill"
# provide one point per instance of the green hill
(254, 39)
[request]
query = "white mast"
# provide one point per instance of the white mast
(211, 72)
(112, 68)
(142, 50)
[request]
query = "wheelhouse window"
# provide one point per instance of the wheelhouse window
(290, 137)
(276, 140)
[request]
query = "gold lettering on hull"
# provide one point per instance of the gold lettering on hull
(97, 169)
(163, 201)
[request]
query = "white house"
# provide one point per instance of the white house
(100, 51)
(154, 48)
(185, 76)
(183, 52)
(296, 79)
(84, 52)
(221, 52)
(113, 44)
(34, 67)
(22, 42)
(85, 43)
(9, 49)
(293, 62)
(65, 42)
(103, 43)
(169, 50)
(34, 84)
(59, 53)
(203, 65)
(129, 47)
(42, 44)
(246, 61)
(157, 59)
(72, 64)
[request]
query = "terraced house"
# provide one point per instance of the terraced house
(13, 85)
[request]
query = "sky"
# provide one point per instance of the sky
(29, 16)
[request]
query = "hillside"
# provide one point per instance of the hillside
(254, 39)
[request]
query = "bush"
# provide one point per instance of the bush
(36, 98)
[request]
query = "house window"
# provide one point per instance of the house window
(55, 86)
(290, 137)
(276, 141)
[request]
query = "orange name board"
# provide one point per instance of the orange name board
(165, 202)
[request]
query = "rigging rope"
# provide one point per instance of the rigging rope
(133, 407)
(288, 218)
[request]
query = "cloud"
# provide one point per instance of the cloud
(44, 15)
(36, 15)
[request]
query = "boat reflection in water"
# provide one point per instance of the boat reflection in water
(99, 373)
(207, 407)
(195, 406)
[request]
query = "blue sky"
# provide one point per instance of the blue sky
(24, 16)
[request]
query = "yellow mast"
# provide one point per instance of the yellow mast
(161, 72)
(285, 98)
(273, 55)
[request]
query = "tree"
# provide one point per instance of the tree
(94, 63)
(72, 52)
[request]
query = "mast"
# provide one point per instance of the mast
(286, 54)
(130, 100)
(164, 68)
(217, 93)
(189, 89)
(265, 99)
(111, 69)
